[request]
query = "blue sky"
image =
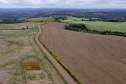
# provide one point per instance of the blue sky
(62, 3)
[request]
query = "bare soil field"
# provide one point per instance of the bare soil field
(92, 58)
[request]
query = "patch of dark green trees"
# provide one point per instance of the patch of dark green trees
(84, 28)
(11, 21)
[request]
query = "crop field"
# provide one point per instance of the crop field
(17, 47)
(99, 25)
(92, 58)
(47, 19)
(78, 19)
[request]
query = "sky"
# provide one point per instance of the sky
(62, 3)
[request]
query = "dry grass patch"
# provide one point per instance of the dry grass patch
(18, 47)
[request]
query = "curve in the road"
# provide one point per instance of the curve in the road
(65, 75)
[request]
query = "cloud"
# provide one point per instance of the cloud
(62, 3)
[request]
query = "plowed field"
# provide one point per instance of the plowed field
(92, 58)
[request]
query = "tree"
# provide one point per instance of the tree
(27, 27)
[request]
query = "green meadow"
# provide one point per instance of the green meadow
(98, 25)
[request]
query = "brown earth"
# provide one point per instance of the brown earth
(92, 58)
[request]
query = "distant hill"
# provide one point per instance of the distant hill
(17, 13)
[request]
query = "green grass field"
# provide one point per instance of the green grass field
(74, 18)
(18, 25)
(99, 25)
(47, 19)
(32, 27)
(21, 32)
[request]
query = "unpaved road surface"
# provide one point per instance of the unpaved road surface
(54, 62)
(92, 58)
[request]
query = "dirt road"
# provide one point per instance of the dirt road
(54, 62)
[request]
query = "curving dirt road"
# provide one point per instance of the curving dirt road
(65, 75)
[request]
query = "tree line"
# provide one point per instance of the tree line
(106, 19)
(84, 28)
(11, 21)
(57, 19)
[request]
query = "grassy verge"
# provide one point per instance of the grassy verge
(58, 60)
(23, 71)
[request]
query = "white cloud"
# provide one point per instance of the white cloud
(63, 3)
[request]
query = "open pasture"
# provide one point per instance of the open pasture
(18, 25)
(99, 25)
(45, 19)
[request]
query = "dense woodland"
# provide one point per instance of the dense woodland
(84, 28)
(108, 19)
(57, 19)
(109, 15)
(11, 21)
